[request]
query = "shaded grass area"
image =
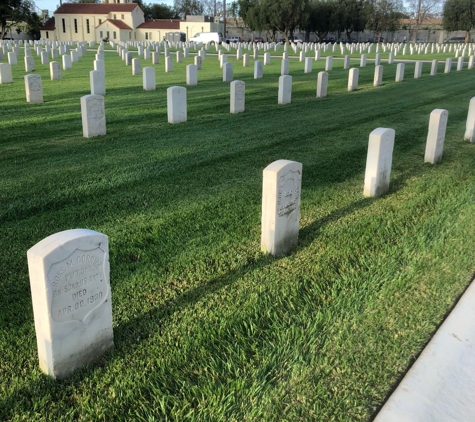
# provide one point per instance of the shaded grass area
(206, 327)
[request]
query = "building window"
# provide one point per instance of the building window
(47, 35)
(146, 35)
(115, 16)
(100, 21)
(100, 35)
(130, 35)
(115, 35)
(87, 25)
(76, 26)
(64, 25)
(122, 16)
(107, 34)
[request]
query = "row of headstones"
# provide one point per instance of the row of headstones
(70, 274)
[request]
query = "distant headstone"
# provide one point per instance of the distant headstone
(176, 104)
(433, 67)
(222, 60)
(471, 60)
(418, 69)
(70, 290)
(258, 72)
(136, 68)
(33, 89)
(353, 75)
(266, 59)
(302, 56)
(44, 57)
(67, 64)
(328, 63)
(284, 67)
(346, 62)
(97, 82)
(322, 84)
(74, 56)
(363, 60)
(436, 136)
(100, 65)
(168, 64)
(470, 124)
(308, 65)
(378, 75)
(227, 72)
(155, 58)
(148, 79)
(29, 63)
(192, 74)
(448, 65)
(282, 181)
(197, 61)
(245, 60)
(237, 97)
(400, 72)
(391, 57)
(93, 115)
(285, 89)
(317, 55)
(5, 73)
(179, 56)
(378, 162)
(460, 63)
(55, 71)
(377, 59)
(12, 58)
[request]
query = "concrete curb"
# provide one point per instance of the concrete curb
(440, 386)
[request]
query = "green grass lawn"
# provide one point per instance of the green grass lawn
(206, 327)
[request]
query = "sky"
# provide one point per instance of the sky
(52, 5)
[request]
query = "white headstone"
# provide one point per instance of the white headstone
(74, 56)
(227, 72)
(192, 74)
(179, 56)
(436, 136)
(470, 124)
(245, 60)
(155, 58)
(322, 84)
(197, 61)
(97, 82)
(284, 67)
(93, 115)
(70, 290)
(168, 64)
(55, 70)
(418, 69)
(5, 73)
(377, 59)
(353, 79)
(100, 65)
(12, 58)
(136, 68)
(237, 97)
(29, 64)
(308, 65)
(471, 60)
(317, 55)
(33, 89)
(128, 58)
(363, 60)
(433, 67)
(148, 79)
(266, 59)
(258, 69)
(378, 75)
(346, 62)
(176, 104)
(285, 89)
(378, 162)
(328, 63)
(460, 63)
(302, 56)
(400, 72)
(67, 64)
(44, 57)
(448, 65)
(280, 206)
(391, 57)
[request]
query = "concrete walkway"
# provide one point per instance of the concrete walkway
(440, 386)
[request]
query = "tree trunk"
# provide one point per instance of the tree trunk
(348, 35)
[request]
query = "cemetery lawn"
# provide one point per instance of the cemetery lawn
(206, 327)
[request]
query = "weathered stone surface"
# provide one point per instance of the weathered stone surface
(93, 115)
(436, 136)
(70, 289)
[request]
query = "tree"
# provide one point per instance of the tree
(322, 18)
(188, 7)
(384, 16)
(353, 15)
(459, 15)
(162, 11)
(285, 16)
(13, 12)
(420, 11)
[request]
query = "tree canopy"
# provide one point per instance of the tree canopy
(459, 15)
(13, 12)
